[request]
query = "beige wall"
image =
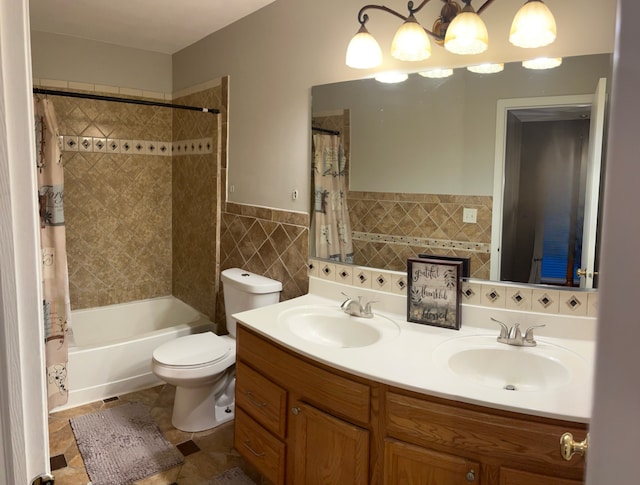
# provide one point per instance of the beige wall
(60, 57)
(274, 56)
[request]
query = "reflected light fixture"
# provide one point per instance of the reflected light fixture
(391, 77)
(459, 29)
(487, 68)
(542, 63)
(437, 73)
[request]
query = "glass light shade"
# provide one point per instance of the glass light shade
(411, 42)
(533, 26)
(542, 63)
(486, 68)
(467, 33)
(437, 73)
(391, 77)
(363, 51)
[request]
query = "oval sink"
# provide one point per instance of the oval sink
(333, 328)
(499, 366)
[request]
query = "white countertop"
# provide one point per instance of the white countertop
(405, 359)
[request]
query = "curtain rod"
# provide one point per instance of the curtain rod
(324, 130)
(100, 97)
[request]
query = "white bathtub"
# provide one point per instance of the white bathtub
(113, 345)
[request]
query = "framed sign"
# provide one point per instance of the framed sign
(433, 292)
(466, 262)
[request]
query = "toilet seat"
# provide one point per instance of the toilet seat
(193, 351)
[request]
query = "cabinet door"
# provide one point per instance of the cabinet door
(327, 450)
(406, 464)
(509, 476)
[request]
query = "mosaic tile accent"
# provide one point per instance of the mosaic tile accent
(191, 147)
(510, 296)
(73, 143)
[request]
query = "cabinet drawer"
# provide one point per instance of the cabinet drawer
(263, 400)
(259, 447)
(529, 443)
(341, 396)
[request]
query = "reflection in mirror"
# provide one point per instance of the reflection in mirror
(421, 155)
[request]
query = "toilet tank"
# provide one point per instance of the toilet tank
(244, 290)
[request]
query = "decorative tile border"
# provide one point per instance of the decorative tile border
(491, 294)
(424, 242)
(71, 143)
(192, 147)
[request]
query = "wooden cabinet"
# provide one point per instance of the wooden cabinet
(303, 423)
(328, 450)
(508, 448)
(406, 464)
(298, 422)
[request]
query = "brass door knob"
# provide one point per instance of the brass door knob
(583, 272)
(570, 447)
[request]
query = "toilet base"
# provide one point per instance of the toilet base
(195, 409)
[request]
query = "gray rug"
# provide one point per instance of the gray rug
(233, 476)
(123, 444)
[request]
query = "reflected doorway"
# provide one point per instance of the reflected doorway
(546, 193)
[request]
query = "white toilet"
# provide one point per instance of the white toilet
(201, 365)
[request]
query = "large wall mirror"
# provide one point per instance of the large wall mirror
(437, 166)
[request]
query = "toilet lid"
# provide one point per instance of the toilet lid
(195, 349)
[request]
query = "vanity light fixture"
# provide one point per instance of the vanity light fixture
(437, 73)
(391, 77)
(459, 29)
(486, 68)
(542, 63)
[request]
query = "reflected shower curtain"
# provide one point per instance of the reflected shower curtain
(331, 217)
(55, 279)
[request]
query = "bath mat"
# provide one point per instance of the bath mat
(233, 476)
(123, 444)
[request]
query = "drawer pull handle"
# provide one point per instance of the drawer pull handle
(247, 445)
(570, 447)
(295, 410)
(254, 401)
(471, 476)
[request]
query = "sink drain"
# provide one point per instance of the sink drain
(510, 387)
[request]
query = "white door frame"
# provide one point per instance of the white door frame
(24, 448)
(504, 106)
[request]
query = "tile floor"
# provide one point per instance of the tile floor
(207, 453)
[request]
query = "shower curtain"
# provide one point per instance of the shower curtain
(331, 217)
(55, 279)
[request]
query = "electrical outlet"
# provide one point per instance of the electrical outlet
(469, 215)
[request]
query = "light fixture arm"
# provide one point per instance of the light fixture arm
(445, 16)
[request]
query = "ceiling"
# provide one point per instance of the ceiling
(165, 26)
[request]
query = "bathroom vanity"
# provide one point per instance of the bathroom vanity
(311, 415)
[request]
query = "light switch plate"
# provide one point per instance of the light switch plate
(469, 215)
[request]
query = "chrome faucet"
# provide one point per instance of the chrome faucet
(355, 307)
(513, 335)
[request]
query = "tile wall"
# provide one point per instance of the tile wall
(196, 198)
(550, 300)
(117, 203)
(266, 241)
